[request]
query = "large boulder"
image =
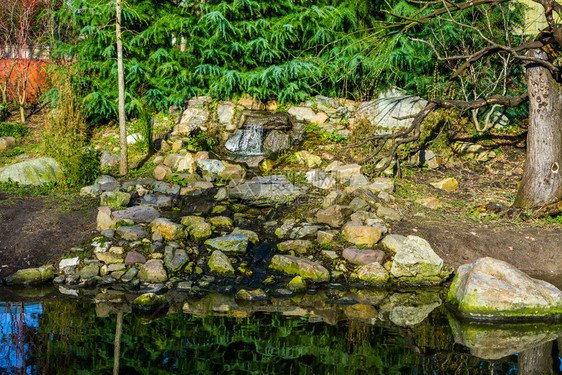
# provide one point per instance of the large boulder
(32, 172)
(359, 234)
(493, 289)
(302, 267)
(31, 276)
(266, 191)
(392, 111)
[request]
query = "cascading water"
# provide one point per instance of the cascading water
(247, 141)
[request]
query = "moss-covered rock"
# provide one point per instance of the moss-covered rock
(416, 258)
(153, 271)
(232, 243)
(296, 246)
(32, 172)
(493, 289)
(115, 199)
(198, 229)
(168, 229)
(297, 284)
(302, 267)
(31, 276)
(149, 302)
(220, 264)
(371, 274)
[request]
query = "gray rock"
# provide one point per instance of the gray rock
(389, 214)
(295, 231)
(426, 157)
(211, 167)
(191, 119)
(175, 259)
(225, 113)
(276, 141)
(344, 172)
(32, 172)
(153, 272)
(266, 191)
(333, 198)
(138, 214)
(382, 184)
(89, 271)
(252, 236)
(133, 233)
(358, 181)
(158, 201)
(166, 188)
(91, 191)
(386, 112)
(393, 242)
(416, 312)
(69, 262)
(493, 289)
(129, 275)
(109, 160)
(302, 113)
(232, 243)
(363, 256)
(320, 179)
(416, 258)
(334, 216)
(220, 264)
(358, 204)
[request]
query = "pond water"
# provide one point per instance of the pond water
(214, 335)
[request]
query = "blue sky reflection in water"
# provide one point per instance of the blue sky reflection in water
(66, 337)
(18, 326)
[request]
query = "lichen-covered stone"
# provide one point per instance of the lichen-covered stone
(371, 274)
(32, 172)
(252, 236)
(168, 229)
(149, 302)
(115, 199)
(447, 184)
(219, 263)
(302, 267)
(232, 243)
(298, 246)
(153, 271)
(493, 289)
(131, 233)
(416, 258)
(31, 276)
(221, 222)
(256, 295)
(198, 229)
(297, 284)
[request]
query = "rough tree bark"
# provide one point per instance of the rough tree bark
(123, 165)
(542, 181)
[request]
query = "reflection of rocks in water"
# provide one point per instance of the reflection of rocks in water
(496, 341)
(409, 309)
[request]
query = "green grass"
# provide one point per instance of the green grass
(13, 129)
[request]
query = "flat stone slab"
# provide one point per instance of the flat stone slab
(232, 243)
(266, 191)
(302, 267)
(138, 214)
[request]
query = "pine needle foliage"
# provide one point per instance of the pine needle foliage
(286, 50)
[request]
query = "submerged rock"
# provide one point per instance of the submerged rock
(493, 289)
(31, 276)
(256, 295)
(149, 302)
(232, 243)
(302, 267)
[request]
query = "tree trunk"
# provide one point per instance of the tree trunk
(542, 180)
(123, 165)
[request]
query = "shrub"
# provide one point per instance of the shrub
(13, 129)
(66, 138)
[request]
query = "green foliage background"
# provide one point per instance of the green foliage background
(287, 50)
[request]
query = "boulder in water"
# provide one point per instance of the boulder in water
(493, 289)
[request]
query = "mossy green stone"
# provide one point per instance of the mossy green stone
(219, 263)
(31, 276)
(302, 267)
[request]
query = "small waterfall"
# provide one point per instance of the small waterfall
(247, 141)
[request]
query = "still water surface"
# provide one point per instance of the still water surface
(215, 335)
